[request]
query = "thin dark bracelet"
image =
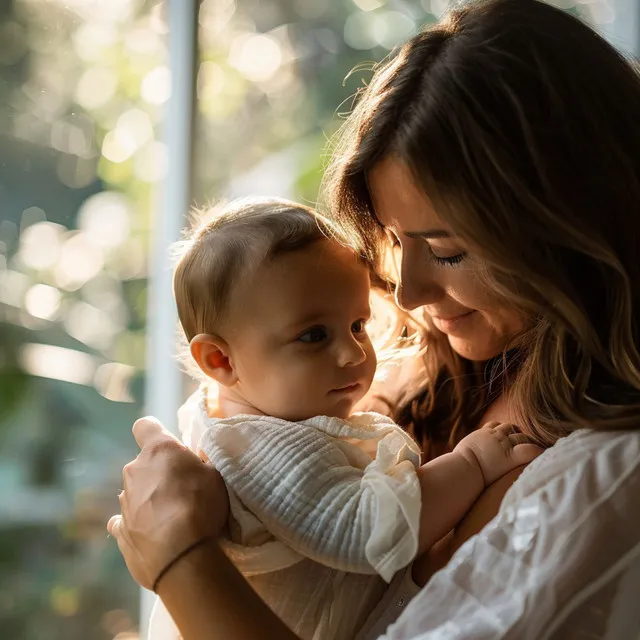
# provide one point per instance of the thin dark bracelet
(179, 557)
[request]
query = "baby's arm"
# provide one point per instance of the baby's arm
(451, 483)
(321, 496)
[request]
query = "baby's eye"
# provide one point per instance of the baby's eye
(359, 326)
(315, 334)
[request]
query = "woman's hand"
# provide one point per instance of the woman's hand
(171, 499)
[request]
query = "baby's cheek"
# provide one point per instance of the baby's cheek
(294, 392)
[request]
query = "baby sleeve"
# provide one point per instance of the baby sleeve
(315, 489)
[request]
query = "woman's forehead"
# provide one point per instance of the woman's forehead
(397, 200)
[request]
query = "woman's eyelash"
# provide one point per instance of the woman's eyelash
(450, 261)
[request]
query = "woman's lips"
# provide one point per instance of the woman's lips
(452, 324)
(351, 388)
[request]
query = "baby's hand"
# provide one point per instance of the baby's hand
(496, 449)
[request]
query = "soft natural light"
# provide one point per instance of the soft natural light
(150, 163)
(42, 301)
(156, 86)
(368, 5)
(257, 57)
(40, 244)
(104, 218)
(118, 116)
(96, 87)
(90, 325)
(80, 260)
(59, 363)
(90, 39)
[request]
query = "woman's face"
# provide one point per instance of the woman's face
(436, 270)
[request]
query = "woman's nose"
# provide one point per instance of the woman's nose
(416, 287)
(350, 352)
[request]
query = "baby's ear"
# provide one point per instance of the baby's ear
(211, 354)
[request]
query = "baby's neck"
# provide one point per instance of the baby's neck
(230, 403)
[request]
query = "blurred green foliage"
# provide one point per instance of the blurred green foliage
(84, 87)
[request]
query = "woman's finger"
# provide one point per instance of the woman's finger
(117, 527)
(149, 431)
(113, 526)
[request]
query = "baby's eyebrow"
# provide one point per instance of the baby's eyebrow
(306, 320)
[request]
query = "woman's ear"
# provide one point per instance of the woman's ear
(212, 355)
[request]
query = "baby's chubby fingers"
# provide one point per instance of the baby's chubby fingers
(524, 451)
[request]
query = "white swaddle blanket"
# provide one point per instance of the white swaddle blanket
(321, 510)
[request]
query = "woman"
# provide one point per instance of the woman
(499, 154)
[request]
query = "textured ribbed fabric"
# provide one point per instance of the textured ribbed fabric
(321, 510)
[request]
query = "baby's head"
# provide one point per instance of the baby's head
(274, 307)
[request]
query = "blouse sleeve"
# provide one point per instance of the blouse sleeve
(320, 494)
(560, 561)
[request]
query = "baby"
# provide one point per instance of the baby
(326, 505)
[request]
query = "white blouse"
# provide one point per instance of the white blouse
(560, 561)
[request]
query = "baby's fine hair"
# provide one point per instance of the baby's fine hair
(224, 243)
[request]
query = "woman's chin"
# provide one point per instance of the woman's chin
(476, 349)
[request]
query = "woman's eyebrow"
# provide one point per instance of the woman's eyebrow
(430, 234)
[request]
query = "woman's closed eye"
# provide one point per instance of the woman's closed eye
(441, 256)
(446, 258)
(314, 335)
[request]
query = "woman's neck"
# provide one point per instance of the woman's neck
(498, 411)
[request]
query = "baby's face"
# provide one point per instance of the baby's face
(297, 335)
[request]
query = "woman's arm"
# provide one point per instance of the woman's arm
(171, 500)
(208, 599)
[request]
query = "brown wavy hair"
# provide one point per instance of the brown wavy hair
(520, 122)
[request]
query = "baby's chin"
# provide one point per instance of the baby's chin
(343, 412)
(343, 415)
(340, 410)
(330, 410)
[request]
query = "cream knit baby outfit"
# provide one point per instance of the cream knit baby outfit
(323, 512)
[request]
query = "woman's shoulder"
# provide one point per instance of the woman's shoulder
(565, 541)
(602, 455)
